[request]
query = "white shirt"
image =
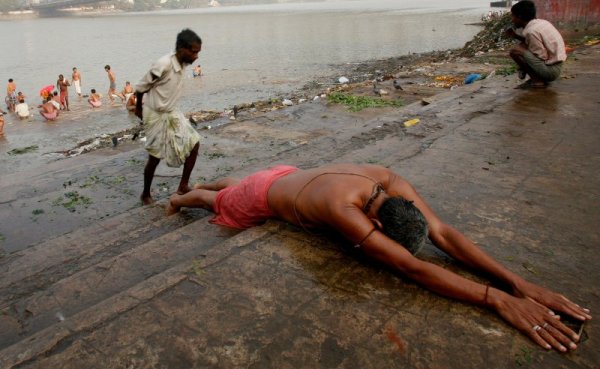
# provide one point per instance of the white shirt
(544, 41)
(164, 91)
(22, 110)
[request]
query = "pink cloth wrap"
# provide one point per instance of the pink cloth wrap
(50, 116)
(246, 205)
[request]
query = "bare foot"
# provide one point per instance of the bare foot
(171, 209)
(198, 186)
(182, 190)
(147, 200)
(532, 84)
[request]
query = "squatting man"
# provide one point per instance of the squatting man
(382, 214)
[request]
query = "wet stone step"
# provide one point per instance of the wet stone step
(26, 313)
(37, 267)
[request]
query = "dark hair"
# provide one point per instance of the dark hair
(186, 38)
(107, 67)
(524, 10)
(403, 223)
(93, 90)
(10, 80)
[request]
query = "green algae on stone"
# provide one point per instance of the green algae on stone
(357, 103)
(73, 199)
(23, 150)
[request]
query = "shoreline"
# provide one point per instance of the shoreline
(360, 75)
(486, 50)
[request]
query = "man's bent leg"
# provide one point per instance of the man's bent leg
(518, 55)
(188, 166)
(148, 177)
(193, 199)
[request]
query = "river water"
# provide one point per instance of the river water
(249, 53)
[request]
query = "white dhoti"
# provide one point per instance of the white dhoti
(169, 136)
(77, 86)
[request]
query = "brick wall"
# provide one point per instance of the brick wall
(569, 12)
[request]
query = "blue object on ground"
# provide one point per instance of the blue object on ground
(472, 78)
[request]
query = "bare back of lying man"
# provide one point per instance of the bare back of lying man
(380, 212)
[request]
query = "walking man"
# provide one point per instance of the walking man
(62, 85)
(76, 78)
(541, 52)
(170, 135)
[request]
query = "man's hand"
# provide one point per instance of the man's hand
(510, 32)
(138, 105)
(138, 113)
(534, 320)
(552, 300)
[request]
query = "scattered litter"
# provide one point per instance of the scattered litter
(301, 101)
(446, 81)
(85, 148)
(143, 139)
(411, 122)
(343, 80)
(287, 102)
(472, 78)
(316, 98)
(529, 268)
(60, 316)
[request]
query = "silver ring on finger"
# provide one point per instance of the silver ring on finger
(545, 325)
(536, 327)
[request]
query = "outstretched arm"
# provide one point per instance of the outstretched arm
(531, 318)
(461, 248)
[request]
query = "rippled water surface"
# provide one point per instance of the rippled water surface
(249, 53)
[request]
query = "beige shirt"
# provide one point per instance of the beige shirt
(163, 92)
(544, 41)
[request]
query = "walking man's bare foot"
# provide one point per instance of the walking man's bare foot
(182, 190)
(147, 200)
(171, 209)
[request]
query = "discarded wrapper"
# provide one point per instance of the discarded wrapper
(412, 122)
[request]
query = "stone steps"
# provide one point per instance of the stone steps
(73, 282)
(64, 276)
(98, 294)
(43, 264)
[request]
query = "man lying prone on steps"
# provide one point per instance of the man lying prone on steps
(382, 214)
